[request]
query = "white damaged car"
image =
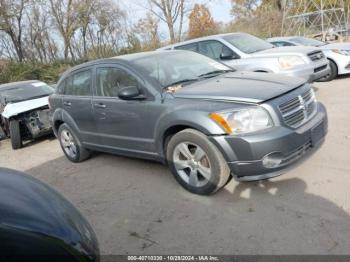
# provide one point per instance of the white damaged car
(24, 109)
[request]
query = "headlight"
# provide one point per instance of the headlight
(243, 121)
(287, 62)
(341, 52)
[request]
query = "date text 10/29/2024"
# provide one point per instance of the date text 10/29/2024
(173, 258)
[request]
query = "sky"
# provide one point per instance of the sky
(220, 10)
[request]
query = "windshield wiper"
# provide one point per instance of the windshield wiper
(39, 96)
(216, 72)
(183, 81)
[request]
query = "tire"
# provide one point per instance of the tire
(15, 134)
(71, 146)
(189, 173)
(333, 74)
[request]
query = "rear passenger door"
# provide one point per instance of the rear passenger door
(77, 102)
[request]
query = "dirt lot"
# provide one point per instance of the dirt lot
(136, 207)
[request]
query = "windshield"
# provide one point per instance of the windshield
(170, 68)
(247, 43)
(26, 91)
(307, 41)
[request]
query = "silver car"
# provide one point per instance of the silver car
(249, 53)
(338, 54)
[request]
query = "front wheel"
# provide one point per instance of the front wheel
(196, 163)
(71, 146)
(333, 74)
(15, 134)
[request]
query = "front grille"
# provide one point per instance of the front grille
(316, 55)
(318, 69)
(298, 110)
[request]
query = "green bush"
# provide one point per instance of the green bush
(49, 73)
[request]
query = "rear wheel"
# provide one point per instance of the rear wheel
(333, 74)
(15, 134)
(71, 146)
(196, 163)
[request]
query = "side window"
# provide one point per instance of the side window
(278, 44)
(79, 84)
(60, 87)
(189, 47)
(110, 80)
(212, 49)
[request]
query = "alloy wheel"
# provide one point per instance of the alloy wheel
(68, 143)
(192, 164)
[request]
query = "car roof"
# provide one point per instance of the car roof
(124, 59)
(281, 38)
(17, 84)
(211, 37)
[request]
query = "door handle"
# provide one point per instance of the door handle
(67, 103)
(100, 105)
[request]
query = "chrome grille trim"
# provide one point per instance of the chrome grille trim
(299, 110)
(316, 55)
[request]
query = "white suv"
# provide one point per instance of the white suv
(249, 53)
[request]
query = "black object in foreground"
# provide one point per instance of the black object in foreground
(37, 223)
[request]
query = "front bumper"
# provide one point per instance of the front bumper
(343, 64)
(245, 154)
(310, 72)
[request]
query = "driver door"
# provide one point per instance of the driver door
(122, 124)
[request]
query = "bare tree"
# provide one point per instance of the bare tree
(86, 8)
(39, 44)
(148, 31)
(107, 32)
(170, 12)
(65, 16)
(11, 22)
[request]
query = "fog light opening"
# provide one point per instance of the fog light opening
(272, 160)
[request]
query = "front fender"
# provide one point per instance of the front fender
(188, 119)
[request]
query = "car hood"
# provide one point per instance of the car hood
(286, 50)
(13, 109)
(245, 87)
(342, 46)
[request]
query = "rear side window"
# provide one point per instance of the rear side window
(110, 80)
(60, 88)
(189, 47)
(78, 84)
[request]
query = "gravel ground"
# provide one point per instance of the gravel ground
(136, 207)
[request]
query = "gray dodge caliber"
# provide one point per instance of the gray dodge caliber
(200, 117)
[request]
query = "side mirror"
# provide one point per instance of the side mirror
(227, 54)
(130, 93)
